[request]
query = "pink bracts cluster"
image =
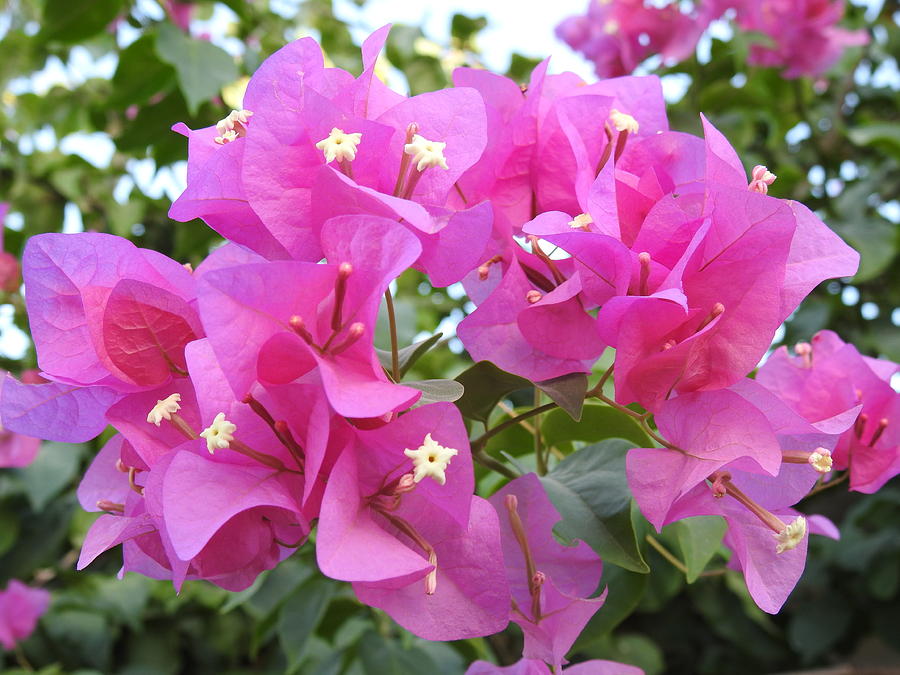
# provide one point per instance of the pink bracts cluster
(251, 406)
(802, 36)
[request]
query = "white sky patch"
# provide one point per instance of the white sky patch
(509, 29)
(13, 342)
(96, 148)
(72, 221)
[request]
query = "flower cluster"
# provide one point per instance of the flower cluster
(802, 35)
(251, 407)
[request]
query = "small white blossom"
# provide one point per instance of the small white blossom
(232, 127)
(623, 121)
(426, 153)
(163, 410)
(340, 146)
(431, 460)
(581, 222)
(791, 535)
(821, 460)
(219, 434)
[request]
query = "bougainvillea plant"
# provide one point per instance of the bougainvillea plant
(254, 416)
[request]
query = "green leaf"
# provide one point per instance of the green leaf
(822, 623)
(202, 68)
(514, 440)
(464, 28)
(437, 390)
(140, 74)
(624, 592)
(385, 657)
(520, 67)
(884, 134)
(9, 530)
(876, 241)
(485, 384)
(638, 650)
(279, 584)
(51, 471)
(83, 635)
(567, 391)
(76, 20)
(590, 490)
(407, 356)
(124, 600)
(598, 422)
(300, 615)
(698, 538)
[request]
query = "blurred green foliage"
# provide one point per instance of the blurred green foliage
(689, 613)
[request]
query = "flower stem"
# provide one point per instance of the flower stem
(540, 460)
(392, 323)
(821, 487)
(665, 553)
(481, 440)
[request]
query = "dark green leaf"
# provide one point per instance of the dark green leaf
(385, 657)
(624, 592)
(76, 20)
(598, 422)
(485, 384)
(202, 68)
(53, 469)
(140, 74)
(567, 391)
(300, 615)
(464, 28)
(815, 630)
(407, 356)
(9, 530)
(83, 634)
(520, 67)
(590, 490)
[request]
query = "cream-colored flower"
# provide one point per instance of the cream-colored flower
(431, 460)
(219, 434)
(163, 410)
(623, 121)
(791, 535)
(339, 146)
(426, 153)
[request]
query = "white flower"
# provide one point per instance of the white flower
(339, 146)
(623, 121)
(431, 459)
(232, 127)
(163, 410)
(581, 222)
(820, 460)
(791, 535)
(219, 434)
(426, 153)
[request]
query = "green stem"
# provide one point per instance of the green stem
(540, 459)
(664, 552)
(480, 456)
(642, 420)
(481, 440)
(821, 487)
(392, 323)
